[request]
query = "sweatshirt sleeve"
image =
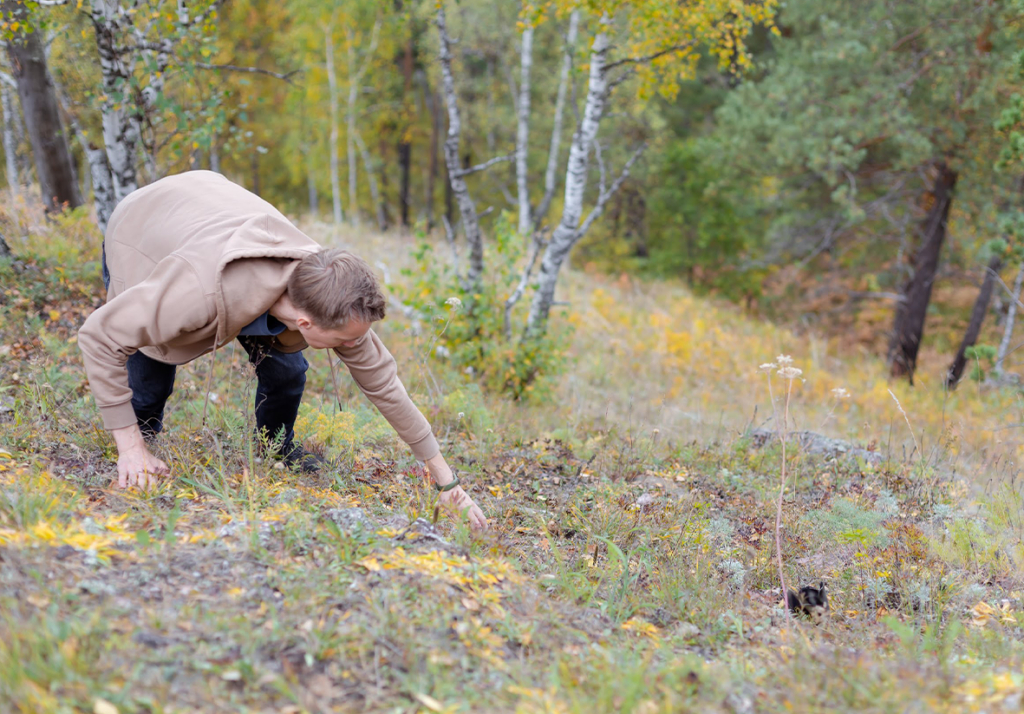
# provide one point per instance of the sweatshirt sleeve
(374, 369)
(149, 313)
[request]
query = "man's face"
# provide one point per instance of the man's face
(322, 338)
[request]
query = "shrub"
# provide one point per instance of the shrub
(468, 331)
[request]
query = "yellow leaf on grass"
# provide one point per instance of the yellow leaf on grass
(429, 702)
(5, 454)
(54, 315)
(370, 564)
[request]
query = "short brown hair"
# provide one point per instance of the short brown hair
(333, 286)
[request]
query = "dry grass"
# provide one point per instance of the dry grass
(630, 566)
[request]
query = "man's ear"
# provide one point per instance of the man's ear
(303, 321)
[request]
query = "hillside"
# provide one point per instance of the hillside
(630, 565)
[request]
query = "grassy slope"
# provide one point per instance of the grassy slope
(630, 566)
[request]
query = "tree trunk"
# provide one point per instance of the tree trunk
(567, 231)
(910, 314)
(314, 197)
(551, 173)
(1011, 316)
(460, 192)
(10, 142)
(120, 122)
(100, 182)
(405, 144)
(55, 168)
(956, 370)
(371, 179)
(434, 107)
(350, 131)
(333, 86)
(523, 131)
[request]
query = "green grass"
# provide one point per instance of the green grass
(624, 571)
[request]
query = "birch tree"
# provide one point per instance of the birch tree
(457, 174)
(332, 84)
(356, 72)
(655, 42)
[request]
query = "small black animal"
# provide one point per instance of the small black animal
(811, 601)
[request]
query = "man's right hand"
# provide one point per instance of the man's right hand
(135, 465)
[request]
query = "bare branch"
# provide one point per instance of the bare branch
(556, 131)
(648, 58)
(538, 246)
(600, 165)
(603, 198)
(484, 166)
(285, 76)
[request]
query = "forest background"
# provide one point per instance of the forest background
(790, 164)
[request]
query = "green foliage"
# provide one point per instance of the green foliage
(983, 358)
(469, 330)
(701, 226)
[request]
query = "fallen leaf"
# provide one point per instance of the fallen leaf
(232, 675)
(102, 706)
(470, 604)
(429, 702)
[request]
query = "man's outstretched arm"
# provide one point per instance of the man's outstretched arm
(374, 369)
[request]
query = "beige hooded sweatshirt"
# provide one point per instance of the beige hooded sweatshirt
(193, 259)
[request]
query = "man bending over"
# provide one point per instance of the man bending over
(194, 261)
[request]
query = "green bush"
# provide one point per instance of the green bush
(468, 331)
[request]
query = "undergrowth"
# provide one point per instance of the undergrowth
(630, 565)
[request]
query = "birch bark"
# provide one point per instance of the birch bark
(350, 131)
(551, 172)
(467, 209)
(371, 178)
(1011, 316)
(567, 232)
(120, 126)
(10, 144)
(333, 87)
(523, 130)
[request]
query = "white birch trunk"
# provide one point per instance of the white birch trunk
(371, 178)
(314, 196)
(1011, 316)
(333, 86)
(567, 232)
(551, 172)
(523, 131)
(120, 128)
(467, 209)
(10, 143)
(350, 141)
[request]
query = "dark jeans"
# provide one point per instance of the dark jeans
(280, 381)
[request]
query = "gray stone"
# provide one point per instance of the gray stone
(347, 519)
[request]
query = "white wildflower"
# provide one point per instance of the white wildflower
(767, 367)
(840, 393)
(453, 302)
(461, 415)
(784, 360)
(790, 372)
